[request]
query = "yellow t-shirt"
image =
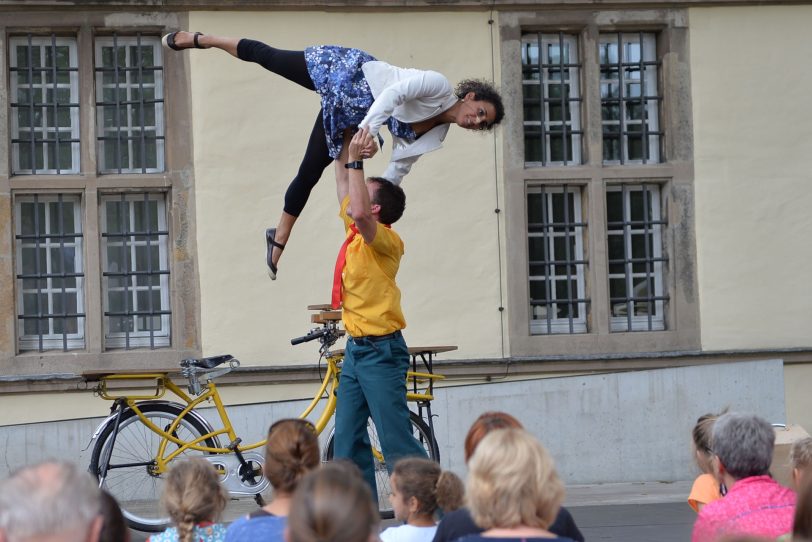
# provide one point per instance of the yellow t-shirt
(371, 299)
(704, 490)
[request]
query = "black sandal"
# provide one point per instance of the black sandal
(169, 41)
(270, 242)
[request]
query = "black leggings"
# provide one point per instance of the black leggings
(291, 65)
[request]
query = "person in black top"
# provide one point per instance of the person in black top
(459, 523)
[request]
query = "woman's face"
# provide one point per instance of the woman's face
(475, 114)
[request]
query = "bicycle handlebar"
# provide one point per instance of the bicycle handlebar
(309, 337)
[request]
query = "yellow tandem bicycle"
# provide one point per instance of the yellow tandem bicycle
(136, 444)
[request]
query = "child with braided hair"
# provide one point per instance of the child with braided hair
(194, 499)
(419, 489)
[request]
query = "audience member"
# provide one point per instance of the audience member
(755, 504)
(800, 458)
(513, 489)
(194, 499)
(802, 524)
(419, 489)
(460, 523)
(50, 502)
(333, 504)
(706, 487)
(291, 452)
(114, 528)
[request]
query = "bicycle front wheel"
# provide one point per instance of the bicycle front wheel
(420, 431)
(130, 472)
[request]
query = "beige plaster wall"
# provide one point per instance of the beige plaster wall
(250, 131)
(753, 183)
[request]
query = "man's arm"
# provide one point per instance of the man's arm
(359, 197)
(342, 174)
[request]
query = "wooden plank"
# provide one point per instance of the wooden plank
(325, 307)
(325, 316)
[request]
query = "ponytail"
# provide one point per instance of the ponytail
(450, 491)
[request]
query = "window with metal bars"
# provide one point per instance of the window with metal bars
(630, 98)
(49, 272)
(555, 231)
(130, 105)
(44, 85)
(551, 90)
(135, 270)
(636, 261)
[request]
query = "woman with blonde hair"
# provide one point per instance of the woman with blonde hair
(194, 499)
(292, 451)
(513, 490)
(459, 523)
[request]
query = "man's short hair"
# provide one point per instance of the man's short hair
(46, 499)
(744, 444)
(391, 198)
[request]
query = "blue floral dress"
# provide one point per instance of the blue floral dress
(345, 95)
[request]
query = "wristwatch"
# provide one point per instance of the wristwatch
(358, 164)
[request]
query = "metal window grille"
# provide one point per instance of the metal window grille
(552, 99)
(50, 277)
(130, 114)
(636, 260)
(135, 270)
(630, 98)
(555, 230)
(44, 83)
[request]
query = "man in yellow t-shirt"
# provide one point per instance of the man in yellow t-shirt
(373, 378)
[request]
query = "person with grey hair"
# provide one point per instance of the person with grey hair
(50, 502)
(755, 504)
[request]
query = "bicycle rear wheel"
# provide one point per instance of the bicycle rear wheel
(420, 431)
(130, 477)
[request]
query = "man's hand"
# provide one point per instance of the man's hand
(361, 145)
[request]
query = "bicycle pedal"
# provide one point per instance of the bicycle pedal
(233, 444)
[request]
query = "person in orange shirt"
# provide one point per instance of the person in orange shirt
(373, 377)
(706, 488)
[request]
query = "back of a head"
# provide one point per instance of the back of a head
(487, 422)
(800, 455)
(744, 444)
(512, 482)
(292, 451)
(114, 527)
(802, 524)
(332, 504)
(433, 487)
(702, 434)
(193, 494)
(48, 498)
(391, 198)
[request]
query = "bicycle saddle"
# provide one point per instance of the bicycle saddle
(207, 363)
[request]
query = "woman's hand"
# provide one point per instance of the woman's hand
(359, 144)
(370, 148)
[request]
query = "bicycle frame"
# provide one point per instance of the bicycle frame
(211, 394)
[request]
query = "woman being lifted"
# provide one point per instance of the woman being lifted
(357, 90)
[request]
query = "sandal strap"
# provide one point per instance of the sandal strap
(280, 246)
(197, 44)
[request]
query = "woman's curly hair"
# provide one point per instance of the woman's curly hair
(485, 92)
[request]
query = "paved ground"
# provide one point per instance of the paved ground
(652, 512)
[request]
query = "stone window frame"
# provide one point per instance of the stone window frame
(674, 175)
(176, 182)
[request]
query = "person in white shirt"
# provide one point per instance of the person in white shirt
(420, 488)
(358, 91)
